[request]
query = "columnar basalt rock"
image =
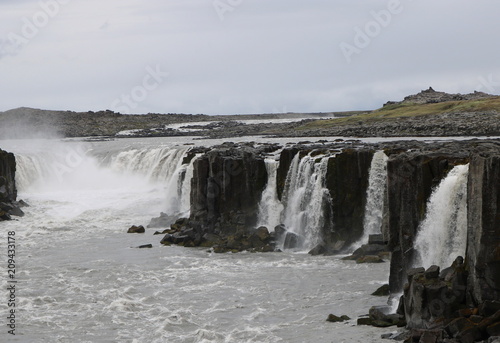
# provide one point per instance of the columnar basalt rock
(483, 240)
(411, 178)
(8, 192)
(226, 188)
(285, 161)
(347, 181)
(463, 302)
(228, 182)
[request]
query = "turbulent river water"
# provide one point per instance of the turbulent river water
(81, 279)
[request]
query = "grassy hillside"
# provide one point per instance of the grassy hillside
(406, 110)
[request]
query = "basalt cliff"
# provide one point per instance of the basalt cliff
(8, 205)
(459, 302)
(320, 192)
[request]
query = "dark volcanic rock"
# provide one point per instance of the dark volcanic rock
(411, 178)
(279, 232)
(136, 229)
(432, 272)
(377, 239)
(226, 188)
(347, 181)
(429, 300)
(369, 259)
(334, 319)
(145, 246)
(8, 192)
(292, 240)
(483, 245)
(382, 291)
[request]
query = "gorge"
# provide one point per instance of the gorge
(329, 196)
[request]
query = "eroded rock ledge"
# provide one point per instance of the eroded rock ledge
(8, 193)
(229, 180)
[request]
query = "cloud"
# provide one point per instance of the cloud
(262, 56)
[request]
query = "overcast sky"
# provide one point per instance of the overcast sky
(242, 56)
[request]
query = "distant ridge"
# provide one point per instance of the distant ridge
(430, 96)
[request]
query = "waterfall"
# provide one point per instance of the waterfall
(377, 182)
(156, 164)
(305, 198)
(179, 189)
(270, 207)
(52, 165)
(165, 165)
(442, 235)
(29, 170)
(66, 166)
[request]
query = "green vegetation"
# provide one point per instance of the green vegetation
(406, 110)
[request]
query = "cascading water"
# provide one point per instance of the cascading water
(442, 236)
(184, 189)
(305, 198)
(374, 209)
(156, 164)
(65, 166)
(161, 164)
(270, 207)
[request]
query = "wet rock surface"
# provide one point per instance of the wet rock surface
(136, 229)
(9, 207)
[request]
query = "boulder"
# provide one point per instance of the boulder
(382, 291)
(370, 249)
(369, 259)
(364, 321)
(334, 319)
(21, 203)
(429, 300)
(16, 211)
(432, 272)
(263, 234)
(145, 246)
(292, 240)
(318, 250)
(256, 242)
(279, 232)
(136, 229)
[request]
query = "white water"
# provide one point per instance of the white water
(377, 182)
(442, 236)
(305, 198)
(80, 281)
(155, 164)
(270, 207)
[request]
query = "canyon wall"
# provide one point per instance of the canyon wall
(227, 186)
(483, 240)
(411, 178)
(8, 192)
